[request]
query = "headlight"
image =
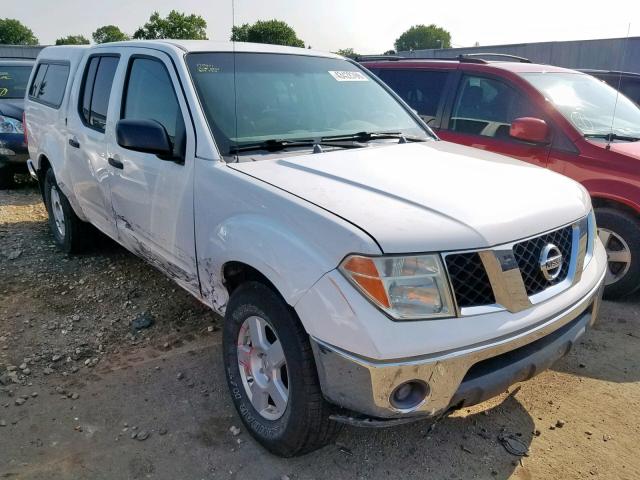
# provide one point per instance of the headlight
(405, 287)
(10, 125)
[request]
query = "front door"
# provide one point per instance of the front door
(152, 197)
(481, 117)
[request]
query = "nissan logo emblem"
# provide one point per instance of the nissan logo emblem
(550, 261)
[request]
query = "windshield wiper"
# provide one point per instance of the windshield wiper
(275, 145)
(610, 137)
(364, 137)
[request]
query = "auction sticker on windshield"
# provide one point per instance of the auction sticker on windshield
(347, 76)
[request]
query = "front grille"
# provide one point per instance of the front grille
(527, 255)
(469, 280)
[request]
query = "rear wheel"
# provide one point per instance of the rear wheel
(620, 235)
(271, 373)
(68, 230)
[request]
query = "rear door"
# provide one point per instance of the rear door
(152, 197)
(88, 139)
(422, 89)
(481, 113)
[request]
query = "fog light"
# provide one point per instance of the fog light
(409, 395)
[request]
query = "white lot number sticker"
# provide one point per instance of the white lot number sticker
(346, 76)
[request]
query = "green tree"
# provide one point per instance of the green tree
(348, 52)
(423, 36)
(73, 40)
(176, 25)
(275, 32)
(13, 32)
(109, 33)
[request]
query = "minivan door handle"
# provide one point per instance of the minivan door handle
(115, 163)
(74, 143)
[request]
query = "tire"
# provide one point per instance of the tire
(305, 425)
(71, 237)
(6, 178)
(620, 231)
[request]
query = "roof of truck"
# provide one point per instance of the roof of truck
(213, 46)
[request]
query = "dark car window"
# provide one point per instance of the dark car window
(50, 83)
(421, 89)
(99, 80)
(13, 80)
(87, 88)
(150, 96)
(486, 106)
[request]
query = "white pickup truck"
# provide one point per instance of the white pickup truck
(368, 272)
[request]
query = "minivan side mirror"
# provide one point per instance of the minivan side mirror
(529, 129)
(147, 136)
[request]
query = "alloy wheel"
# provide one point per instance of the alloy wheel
(618, 255)
(263, 368)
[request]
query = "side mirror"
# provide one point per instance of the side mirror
(529, 129)
(146, 136)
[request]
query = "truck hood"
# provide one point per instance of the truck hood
(429, 196)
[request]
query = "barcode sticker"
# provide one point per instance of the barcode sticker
(347, 76)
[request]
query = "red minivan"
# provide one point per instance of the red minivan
(549, 116)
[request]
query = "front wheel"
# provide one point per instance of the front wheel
(620, 235)
(272, 375)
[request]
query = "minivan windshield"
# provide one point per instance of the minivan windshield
(588, 103)
(287, 98)
(13, 80)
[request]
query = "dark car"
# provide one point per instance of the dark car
(14, 76)
(549, 116)
(627, 82)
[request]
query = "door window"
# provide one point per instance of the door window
(49, 83)
(96, 90)
(150, 96)
(421, 89)
(485, 106)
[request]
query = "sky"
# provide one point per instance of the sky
(366, 26)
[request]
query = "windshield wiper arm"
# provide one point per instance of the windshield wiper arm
(364, 137)
(275, 145)
(611, 137)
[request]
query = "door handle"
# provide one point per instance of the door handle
(74, 143)
(115, 163)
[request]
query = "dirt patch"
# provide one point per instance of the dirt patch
(79, 383)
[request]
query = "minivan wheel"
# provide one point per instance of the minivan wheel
(67, 229)
(6, 178)
(620, 235)
(271, 373)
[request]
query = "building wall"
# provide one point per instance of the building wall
(603, 54)
(20, 51)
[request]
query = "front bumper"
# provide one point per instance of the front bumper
(455, 378)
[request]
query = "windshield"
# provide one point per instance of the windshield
(588, 103)
(13, 81)
(292, 97)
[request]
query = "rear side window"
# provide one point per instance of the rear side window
(486, 106)
(150, 96)
(96, 90)
(49, 83)
(421, 89)
(13, 81)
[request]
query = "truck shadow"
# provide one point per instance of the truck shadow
(609, 350)
(465, 445)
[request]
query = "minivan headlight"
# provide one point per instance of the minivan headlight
(405, 287)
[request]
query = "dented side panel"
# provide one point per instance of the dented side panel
(290, 241)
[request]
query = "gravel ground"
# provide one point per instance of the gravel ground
(108, 370)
